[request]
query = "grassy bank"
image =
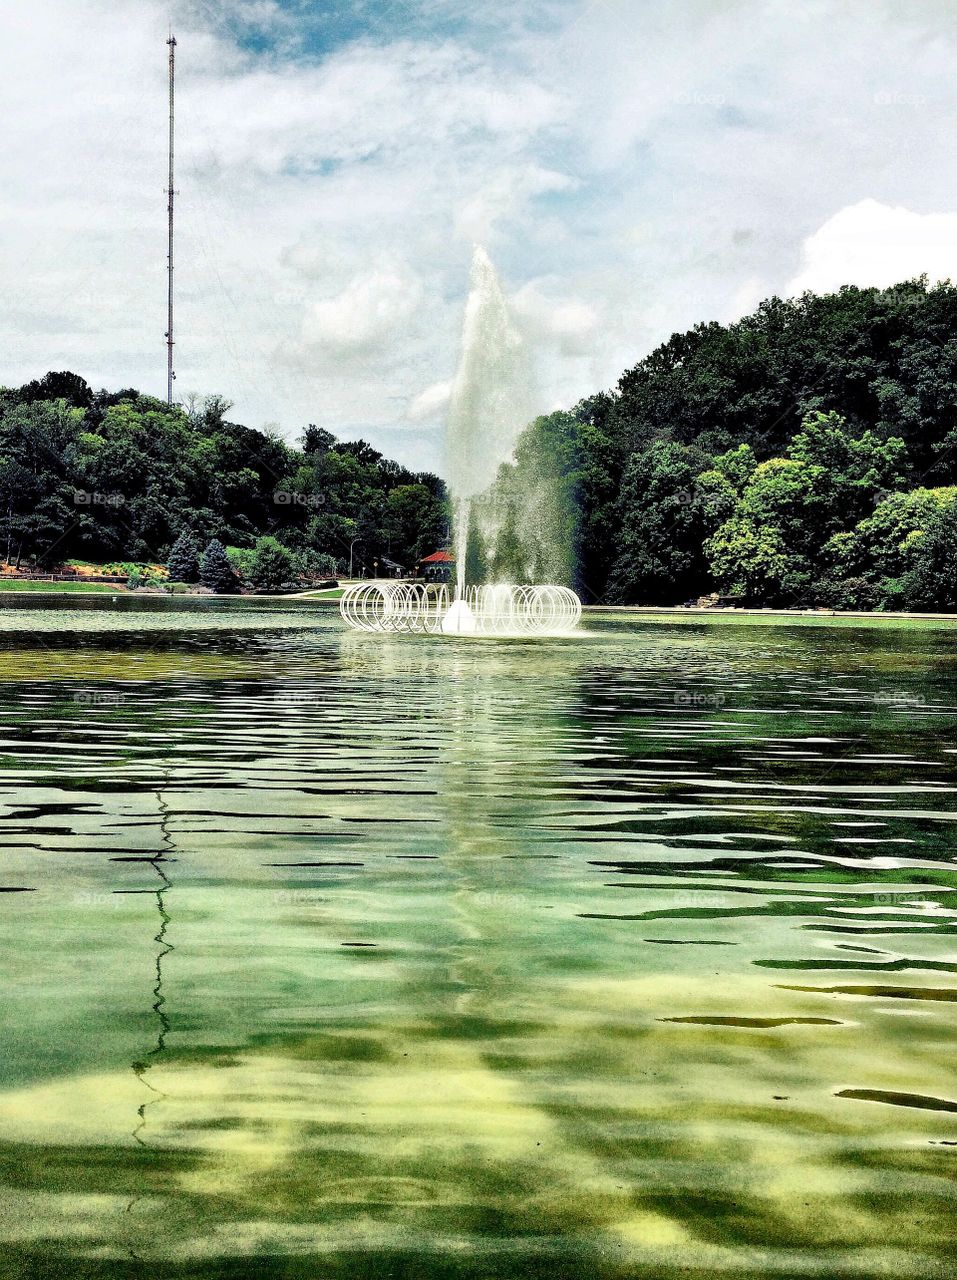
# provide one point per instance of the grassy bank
(23, 584)
(770, 617)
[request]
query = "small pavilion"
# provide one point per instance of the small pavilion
(437, 567)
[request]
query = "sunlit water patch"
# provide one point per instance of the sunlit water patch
(624, 954)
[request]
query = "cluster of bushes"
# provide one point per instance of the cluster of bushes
(266, 566)
(806, 455)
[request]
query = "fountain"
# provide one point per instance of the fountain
(491, 402)
(500, 610)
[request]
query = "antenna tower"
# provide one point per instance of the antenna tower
(170, 195)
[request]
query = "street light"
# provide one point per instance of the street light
(351, 545)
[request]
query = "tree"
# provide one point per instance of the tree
(858, 468)
(183, 561)
(317, 439)
(752, 561)
(119, 475)
(216, 573)
(59, 386)
(661, 530)
(414, 522)
(930, 584)
(782, 542)
(884, 550)
(272, 566)
(315, 564)
(777, 456)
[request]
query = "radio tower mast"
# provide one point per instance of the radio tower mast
(170, 194)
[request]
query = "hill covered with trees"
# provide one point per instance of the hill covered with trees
(120, 476)
(805, 455)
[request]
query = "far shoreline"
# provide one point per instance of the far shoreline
(650, 613)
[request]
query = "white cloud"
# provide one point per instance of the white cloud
(428, 404)
(503, 195)
(874, 244)
(569, 323)
(367, 312)
(637, 168)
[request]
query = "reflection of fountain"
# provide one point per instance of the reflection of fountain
(500, 610)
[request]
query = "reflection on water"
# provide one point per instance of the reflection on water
(328, 954)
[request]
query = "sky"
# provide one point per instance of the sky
(632, 168)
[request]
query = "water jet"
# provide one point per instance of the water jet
(491, 403)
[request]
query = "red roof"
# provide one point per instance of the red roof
(438, 557)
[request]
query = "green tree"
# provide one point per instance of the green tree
(216, 573)
(881, 551)
(414, 522)
(930, 583)
(272, 565)
(752, 561)
(777, 547)
(660, 519)
(183, 561)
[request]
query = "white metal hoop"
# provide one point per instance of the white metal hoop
(390, 606)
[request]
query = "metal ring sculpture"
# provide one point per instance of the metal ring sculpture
(390, 606)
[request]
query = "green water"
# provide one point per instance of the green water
(630, 954)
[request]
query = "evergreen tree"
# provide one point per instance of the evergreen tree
(216, 572)
(183, 562)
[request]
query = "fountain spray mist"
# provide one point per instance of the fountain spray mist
(492, 400)
(491, 404)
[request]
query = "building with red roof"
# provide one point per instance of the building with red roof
(437, 567)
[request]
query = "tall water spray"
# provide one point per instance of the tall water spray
(492, 400)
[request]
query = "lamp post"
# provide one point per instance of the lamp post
(351, 546)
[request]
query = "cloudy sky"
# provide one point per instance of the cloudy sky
(632, 166)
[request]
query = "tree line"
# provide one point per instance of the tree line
(805, 455)
(105, 476)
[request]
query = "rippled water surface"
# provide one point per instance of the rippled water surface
(630, 954)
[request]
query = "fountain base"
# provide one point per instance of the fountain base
(501, 610)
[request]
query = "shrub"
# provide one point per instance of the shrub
(241, 559)
(273, 565)
(315, 564)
